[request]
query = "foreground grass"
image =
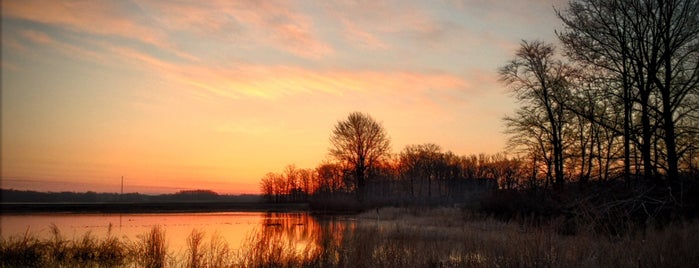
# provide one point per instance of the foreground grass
(390, 238)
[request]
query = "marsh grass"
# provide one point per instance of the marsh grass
(399, 238)
(85, 251)
(152, 249)
(215, 253)
(22, 251)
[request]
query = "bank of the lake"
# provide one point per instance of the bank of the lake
(149, 207)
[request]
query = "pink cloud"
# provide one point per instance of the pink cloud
(93, 17)
(274, 82)
(274, 24)
(400, 18)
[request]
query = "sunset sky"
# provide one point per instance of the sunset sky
(177, 95)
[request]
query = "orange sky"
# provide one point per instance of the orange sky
(214, 94)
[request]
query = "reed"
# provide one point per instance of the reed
(152, 251)
(215, 253)
(25, 251)
(195, 258)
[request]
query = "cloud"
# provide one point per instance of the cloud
(270, 23)
(277, 24)
(37, 37)
(276, 81)
(93, 17)
(361, 37)
(23, 42)
(391, 19)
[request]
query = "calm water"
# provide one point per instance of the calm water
(233, 227)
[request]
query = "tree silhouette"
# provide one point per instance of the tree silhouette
(540, 83)
(651, 49)
(359, 142)
(421, 161)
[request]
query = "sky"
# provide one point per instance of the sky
(181, 95)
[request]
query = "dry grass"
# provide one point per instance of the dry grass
(442, 238)
(215, 253)
(152, 249)
(400, 238)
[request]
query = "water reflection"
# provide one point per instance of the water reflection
(296, 237)
(304, 231)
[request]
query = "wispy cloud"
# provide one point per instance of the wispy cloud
(273, 82)
(269, 23)
(27, 38)
(362, 37)
(37, 37)
(397, 19)
(275, 24)
(92, 17)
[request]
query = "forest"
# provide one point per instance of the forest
(605, 129)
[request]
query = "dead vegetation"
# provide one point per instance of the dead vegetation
(388, 237)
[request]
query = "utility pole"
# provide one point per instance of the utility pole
(122, 185)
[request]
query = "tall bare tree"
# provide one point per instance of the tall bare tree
(539, 82)
(359, 142)
(652, 47)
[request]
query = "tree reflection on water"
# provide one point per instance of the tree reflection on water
(300, 238)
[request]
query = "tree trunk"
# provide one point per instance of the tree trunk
(627, 126)
(668, 118)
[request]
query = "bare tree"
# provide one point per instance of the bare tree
(540, 83)
(330, 178)
(267, 187)
(359, 142)
(528, 136)
(652, 48)
(421, 163)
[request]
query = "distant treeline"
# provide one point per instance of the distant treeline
(420, 175)
(23, 196)
(365, 174)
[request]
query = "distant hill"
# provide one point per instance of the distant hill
(24, 196)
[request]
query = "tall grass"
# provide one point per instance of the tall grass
(392, 238)
(152, 249)
(215, 253)
(86, 251)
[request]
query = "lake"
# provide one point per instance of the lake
(233, 227)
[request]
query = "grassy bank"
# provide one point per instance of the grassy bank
(391, 238)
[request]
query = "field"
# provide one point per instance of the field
(393, 237)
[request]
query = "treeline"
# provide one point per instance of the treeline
(419, 174)
(23, 196)
(363, 173)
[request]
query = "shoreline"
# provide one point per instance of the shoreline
(150, 207)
